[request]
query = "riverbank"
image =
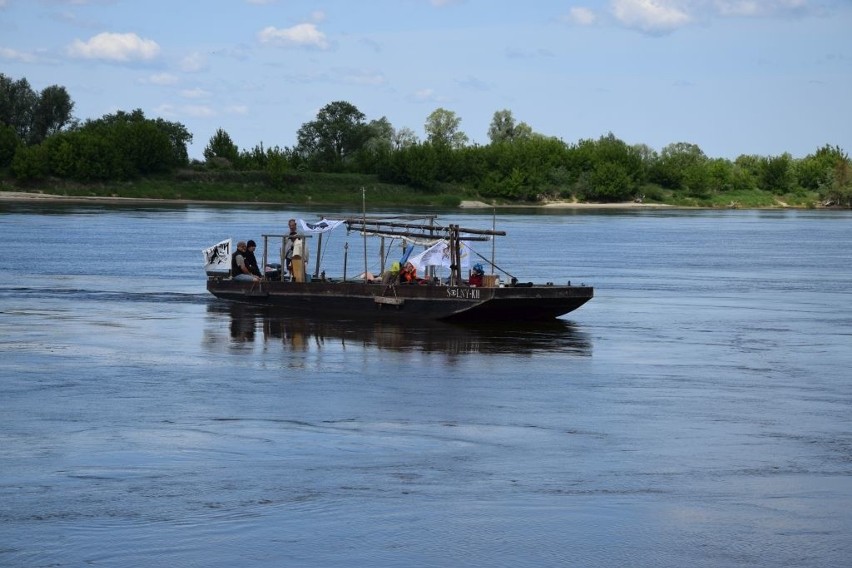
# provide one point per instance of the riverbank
(40, 196)
(23, 196)
(563, 205)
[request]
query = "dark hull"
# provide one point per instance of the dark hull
(424, 302)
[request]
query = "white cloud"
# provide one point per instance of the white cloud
(115, 47)
(652, 16)
(301, 35)
(198, 111)
(473, 84)
(754, 8)
(427, 96)
(664, 16)
(192, 111)
(15, 55)
(737, 7)
(362, 77)
(193, 62)
(194, 93)
(581, 16)
(163, 79)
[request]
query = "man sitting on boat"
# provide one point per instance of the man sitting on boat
(391, 276)
(239, 267)
(476, 275)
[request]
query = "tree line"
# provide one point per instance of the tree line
(39, 138)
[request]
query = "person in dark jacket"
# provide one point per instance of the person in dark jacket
(251, 260)
(239, 269)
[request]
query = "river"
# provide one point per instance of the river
(697, 412)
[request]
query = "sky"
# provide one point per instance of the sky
(734, 77)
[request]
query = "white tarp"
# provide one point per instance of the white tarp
(439, 255)
(323, 226)
(218, 257)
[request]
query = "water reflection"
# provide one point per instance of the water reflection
(253, 324)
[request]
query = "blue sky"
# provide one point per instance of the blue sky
(732, 76)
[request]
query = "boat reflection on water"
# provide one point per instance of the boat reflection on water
(250, 324)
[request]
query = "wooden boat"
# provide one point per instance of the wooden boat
(271, 326)
(429, 298)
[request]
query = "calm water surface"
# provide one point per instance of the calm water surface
(698, 412)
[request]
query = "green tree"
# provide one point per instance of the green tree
(720, 175)
(31, 163)
(504, 129)
(86, 155)
(442, 129)
(143, 148)
(609, 182)
(9, 144)
(815, 171)
(179, 138)
(114, 147)
(607, 169)
(176, 135)
(840, 190)
(51, 114)
(277, 166)
(17, 104)
(681, 166)
(338, 132)
(221, 147)
(777, 174)
(415, 165)
(403, 138)
(33, 116)
(380, 135)
(747, 170)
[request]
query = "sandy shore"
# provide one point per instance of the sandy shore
(48, 197)
(563, 205)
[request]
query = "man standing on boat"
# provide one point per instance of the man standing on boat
(295, 250)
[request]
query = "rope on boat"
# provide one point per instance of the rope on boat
(491, 263)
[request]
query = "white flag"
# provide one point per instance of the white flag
(439, 255)
(322, 226)
(218, 257)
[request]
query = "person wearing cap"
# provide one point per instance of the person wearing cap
(239, 268)
(476, 275)
(251, 260)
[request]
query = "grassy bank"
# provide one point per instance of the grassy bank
(346, 190)
(247, 187)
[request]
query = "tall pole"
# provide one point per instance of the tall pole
(319, 251)
(455, 255)
(493, 240)
(364, 213)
